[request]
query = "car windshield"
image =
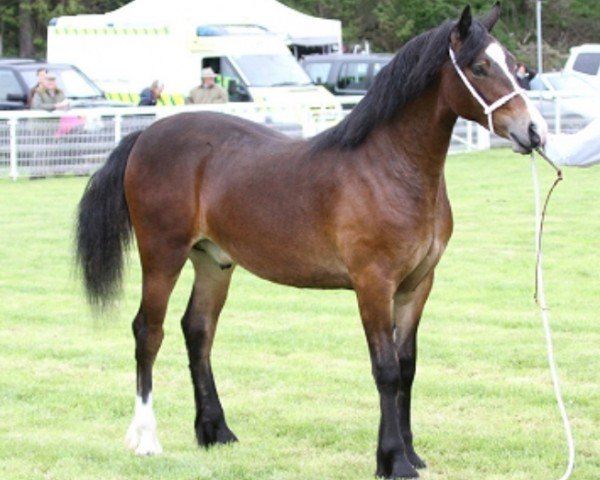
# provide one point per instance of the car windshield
(318, 71)
(587, 63)
(70, 81)
(271, 70)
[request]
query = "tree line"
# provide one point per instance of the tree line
(385, 24)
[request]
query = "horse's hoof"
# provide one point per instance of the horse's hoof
(142, 441)
(415, 460)
(400, 470)
(404, 472)
(209, 434)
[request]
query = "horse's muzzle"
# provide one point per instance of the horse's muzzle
(535, 140)
(529, 142)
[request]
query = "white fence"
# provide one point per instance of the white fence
(38, 144)
(77, 142)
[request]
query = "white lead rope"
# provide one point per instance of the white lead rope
(540, 298)
(540, 212)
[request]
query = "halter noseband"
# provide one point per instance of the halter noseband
(487, 109)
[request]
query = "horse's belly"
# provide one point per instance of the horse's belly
(303, 274)
(308, 278)
(295, 267)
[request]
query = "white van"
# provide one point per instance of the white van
(584, 59)
(254, 65)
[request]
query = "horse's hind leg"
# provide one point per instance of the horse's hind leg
(199, 326)
(408, 309)
(159, 274)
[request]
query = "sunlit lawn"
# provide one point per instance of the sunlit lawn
(292, 365)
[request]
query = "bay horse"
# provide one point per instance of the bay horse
(360, 206)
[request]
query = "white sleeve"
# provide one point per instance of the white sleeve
(581, 149)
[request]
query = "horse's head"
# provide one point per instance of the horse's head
(480, 84)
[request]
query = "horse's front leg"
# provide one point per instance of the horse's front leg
(408, 308)
(375, 304)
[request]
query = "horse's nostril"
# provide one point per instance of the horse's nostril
(534, 136)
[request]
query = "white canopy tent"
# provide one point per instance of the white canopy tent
(298, 28)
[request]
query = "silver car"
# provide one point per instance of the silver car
(568, 101)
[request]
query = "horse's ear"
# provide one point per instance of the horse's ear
(491, 18)
(464, 24)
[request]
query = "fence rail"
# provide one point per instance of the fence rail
(38, 144)
(77, 142)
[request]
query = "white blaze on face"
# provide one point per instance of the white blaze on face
(496, 54)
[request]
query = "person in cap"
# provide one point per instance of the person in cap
(150, 95)
(48, 96)
(208, 91)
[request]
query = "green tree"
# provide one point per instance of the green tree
(23, 23)
(387, 24)
(400, 20)
(9, 27)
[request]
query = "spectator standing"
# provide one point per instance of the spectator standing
(524, 76)
(208, 91)
(41, 74)
(48, 96)
(150, 95)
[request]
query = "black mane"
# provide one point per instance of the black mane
(408, 74)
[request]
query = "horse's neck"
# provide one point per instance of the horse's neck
(422, 133)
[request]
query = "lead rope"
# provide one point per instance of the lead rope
(540, 298)
(540, 215)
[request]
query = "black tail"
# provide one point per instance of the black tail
(104, 227)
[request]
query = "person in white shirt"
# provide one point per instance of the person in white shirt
(580, 149)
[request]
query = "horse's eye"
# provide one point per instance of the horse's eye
(478, 70)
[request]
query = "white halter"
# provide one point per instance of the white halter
(487, 109)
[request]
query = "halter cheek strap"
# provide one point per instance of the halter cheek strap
(487, 109)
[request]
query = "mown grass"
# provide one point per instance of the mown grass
(292, 365)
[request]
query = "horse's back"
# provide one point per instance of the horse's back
(272, 204)
(178, 151)
(189, 131)
(251, 190)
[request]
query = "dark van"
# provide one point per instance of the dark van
(344, 73)
(19, 76)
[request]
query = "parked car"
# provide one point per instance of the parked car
(75, 141)
(584, 59)
(8, 60)
(18, 77)
(575, 95)
(344, 73)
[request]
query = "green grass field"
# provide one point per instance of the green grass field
(292, 365)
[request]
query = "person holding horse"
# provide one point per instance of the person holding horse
(208, 91)
(581, 149)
